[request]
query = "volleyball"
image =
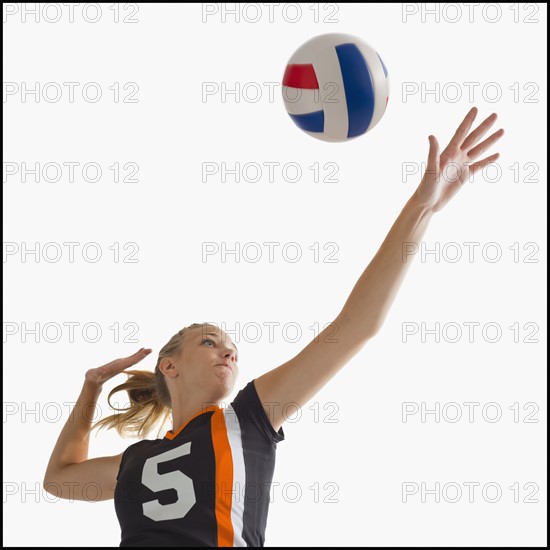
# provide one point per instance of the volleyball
(335, 87)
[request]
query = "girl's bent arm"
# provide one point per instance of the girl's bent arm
(70, 474)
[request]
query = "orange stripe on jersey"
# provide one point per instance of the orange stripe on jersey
(224, 478)
(170, 434)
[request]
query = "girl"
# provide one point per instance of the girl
(187, 488)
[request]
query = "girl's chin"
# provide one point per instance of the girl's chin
(226, 380)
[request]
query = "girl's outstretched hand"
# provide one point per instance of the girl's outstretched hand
(100, 375)
(446, 173)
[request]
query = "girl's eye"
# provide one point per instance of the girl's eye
(210, 340)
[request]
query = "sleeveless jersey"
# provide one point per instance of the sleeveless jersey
(206, 484)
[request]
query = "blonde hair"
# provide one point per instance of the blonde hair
(150, 399)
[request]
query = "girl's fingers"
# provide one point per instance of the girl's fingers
(433, 155)
(119, 365)
(482, 163)
(140, 354)
(135, 358)
(479, 132)
(101, 374)
(491, 140)
(464, 128)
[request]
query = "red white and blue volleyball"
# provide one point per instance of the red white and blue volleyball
(336, 87)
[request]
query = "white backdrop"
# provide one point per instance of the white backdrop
(149, 224)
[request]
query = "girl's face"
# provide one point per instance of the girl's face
(208, 362)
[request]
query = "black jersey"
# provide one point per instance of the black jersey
(206, 484)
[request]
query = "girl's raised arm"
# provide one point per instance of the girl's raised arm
(298, 380)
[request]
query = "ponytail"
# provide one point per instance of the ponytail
(146, 407)
(150, 400)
